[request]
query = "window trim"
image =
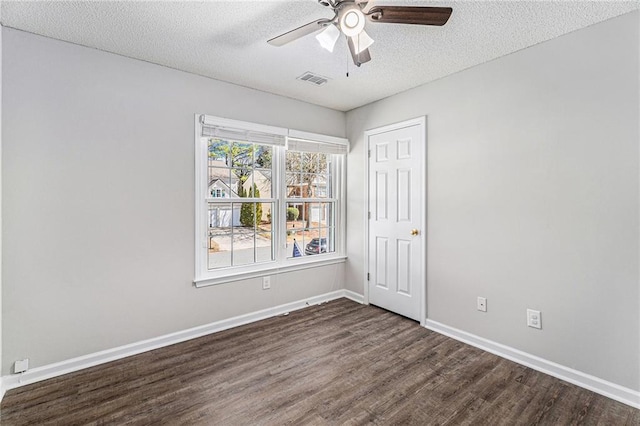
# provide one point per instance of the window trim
(205, 277)
(273, 269)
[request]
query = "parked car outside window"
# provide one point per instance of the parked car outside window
(316, 246)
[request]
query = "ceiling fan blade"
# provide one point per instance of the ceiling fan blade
(420, 15)
(299, 32)
(358, 58)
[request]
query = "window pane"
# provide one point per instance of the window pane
(239, 182)
(319, 186)
(263, 183)
(293, 185)
(309, 162)
(293, 161)
(263, 157)
(218, 186)
(234, 168)
(314, 162)
(219, 152)
(219, 255)
(239, 234)
(265, 251)
(244, 236)
(221, 218)
(313, 178)
(312, 232)
(317, 216)
(242, 154)
(306, 182)
(256, 184)
(253, 237)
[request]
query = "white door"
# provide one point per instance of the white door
(397, 190)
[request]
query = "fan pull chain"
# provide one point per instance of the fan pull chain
(347, 63)
(358, 54)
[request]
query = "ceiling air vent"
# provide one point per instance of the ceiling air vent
(315, 79)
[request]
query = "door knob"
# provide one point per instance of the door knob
(414, 232)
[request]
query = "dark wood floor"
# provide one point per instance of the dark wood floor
(338, 363)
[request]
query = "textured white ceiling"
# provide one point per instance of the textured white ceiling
(226, 40)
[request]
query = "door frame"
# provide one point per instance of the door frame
(422, 122)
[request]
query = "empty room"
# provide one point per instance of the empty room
(320, 212)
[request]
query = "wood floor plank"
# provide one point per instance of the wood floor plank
(334, 363)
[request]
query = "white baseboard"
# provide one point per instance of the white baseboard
(354, 296)
(68, 366)
(578, 378)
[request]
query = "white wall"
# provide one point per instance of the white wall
(1, 388)
(98, 200)
(533, 197)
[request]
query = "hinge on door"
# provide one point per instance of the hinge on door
(369, 214)
(368, 276)
(369, 154)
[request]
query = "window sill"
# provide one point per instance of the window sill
(268, 270)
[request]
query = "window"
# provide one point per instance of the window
(310, 219)
(239, 226)
(266, 198)
(218, 193)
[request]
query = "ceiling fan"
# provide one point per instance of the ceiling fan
(350, 17)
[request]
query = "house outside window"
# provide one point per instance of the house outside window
(267, 199)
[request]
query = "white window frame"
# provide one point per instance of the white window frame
(205, 277)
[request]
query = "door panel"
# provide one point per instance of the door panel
(382, 152)
(404, 267)
(404, 195)
(382, 189)
(382, 260)
(396, 195)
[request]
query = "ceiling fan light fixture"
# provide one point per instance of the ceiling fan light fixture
(362, 42)
(351, 21)
(328, 37)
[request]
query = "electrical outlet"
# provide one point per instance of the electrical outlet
(266, 283)
(534, 319)
(482, 304)
(21, 365)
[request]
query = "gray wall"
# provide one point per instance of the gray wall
(98, 200)
(533, 172)
(0, 204)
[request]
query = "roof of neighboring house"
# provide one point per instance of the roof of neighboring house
(218, 170)
(266, 174)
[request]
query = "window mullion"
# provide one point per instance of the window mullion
(280, 188)
(202, 242)
(239, 200)
(339, 172)
(311, 200)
